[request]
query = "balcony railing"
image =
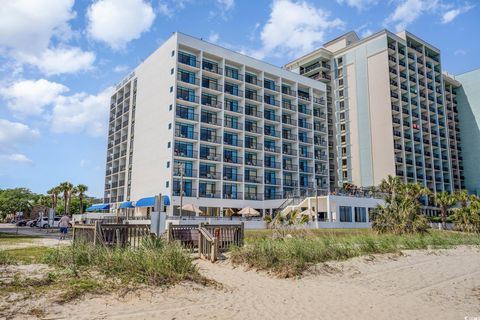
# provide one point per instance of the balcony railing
(186, 134)
(210, 175)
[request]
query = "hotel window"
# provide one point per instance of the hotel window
(169, 145)
(345, 214)
(340, 93)
(167, 184)
(173, 53)
(340, 82)
(340, 72)
(168, 164)
(345, 174)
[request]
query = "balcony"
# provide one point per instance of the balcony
(274, 181)
(253, 179)
(187, 78)
(185, 134)
(232, 142)
(253, 145)
(249, 111)
(272, 164)
(271, 149)
(188, 60)
(209, 84)
(270, 116)
(211, 67)
(210, 175)
(186, 95)
(232, 195)
(209, 119)
(232, 176)
(233, 91)
(253, 128)
(290, 167)
(186, 192)
(186, 114)
(290, 183)
(252, 95)
(289, 121)
(253, 196)
(232, 159)
(189, 173)
(212, 138)
(270, 132)
(185, 153)
(289, 136)
(207, 101)
(253, 162)
(229, 123)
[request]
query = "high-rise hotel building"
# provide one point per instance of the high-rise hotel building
(391, 111)
(225, 129)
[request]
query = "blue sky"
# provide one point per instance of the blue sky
(60, 58)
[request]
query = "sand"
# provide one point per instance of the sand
(441, 284)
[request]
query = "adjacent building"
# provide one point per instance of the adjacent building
(220, 128)
(392, 111)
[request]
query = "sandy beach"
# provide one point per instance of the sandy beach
(440, 284)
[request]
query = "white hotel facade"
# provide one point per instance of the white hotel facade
(228, 130)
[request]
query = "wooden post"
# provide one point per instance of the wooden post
(242, 232)
(214, 251)
(169, 232)
(95, 233)
(117, 235)
(73, 233)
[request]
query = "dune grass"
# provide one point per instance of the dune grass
(291, 257)
(12, 238)
(79, 269)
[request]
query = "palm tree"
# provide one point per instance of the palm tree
(390, 185)
(81, 188)
(53, 193)
(67, 189)
(444, 201)
(463, 197)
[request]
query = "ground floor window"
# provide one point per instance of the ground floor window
(360, 214)
(345, 214)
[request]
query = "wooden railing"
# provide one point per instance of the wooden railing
(203, 236)
(207, 245)
(119, 235)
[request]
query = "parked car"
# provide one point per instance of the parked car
(45, 223)
(32, 223)
(21, 223)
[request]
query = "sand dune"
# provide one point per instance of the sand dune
(442, 284)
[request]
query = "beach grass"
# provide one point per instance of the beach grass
(290, 257)
(12, 238)
(79, 269)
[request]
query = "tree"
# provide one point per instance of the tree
(15, 200)
(467, 217)
(444, 201)
(67, 189)
(390, 185)
(402, 210)
(81, 188)
(53, 193)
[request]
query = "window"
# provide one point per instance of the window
(345, 174)
(170, 126)
(345, 214)
(342, 105)
(169, 145)
(171, 71)
(173, 53)
(360, 214)
(168, 164)
(340, 82)
(171, 89)
(167, 184)
(340, 93)
(170, 107)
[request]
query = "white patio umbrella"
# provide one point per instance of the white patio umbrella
(192, 208)
(249, 212)
(308, 212)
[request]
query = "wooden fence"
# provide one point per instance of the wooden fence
(202, 237)
(119, 235)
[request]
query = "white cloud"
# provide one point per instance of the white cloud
(26, 32)
(358, 4)
(116, 22)
(18, 157)
(224, 7)
(213, 37)
(13, 133)
(165, 9)
(81, 112)
(60, 60)
(295, 28)
(450, 15)
(365, 33)
(29, 25)
(460, 52)
(30, 97)
(407, 11)
(121, 68)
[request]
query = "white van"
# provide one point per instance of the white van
(44, 223)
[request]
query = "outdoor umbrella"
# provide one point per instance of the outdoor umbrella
(191, 207)
(249, 212)
(309, 212)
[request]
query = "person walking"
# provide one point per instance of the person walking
(63, 224)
